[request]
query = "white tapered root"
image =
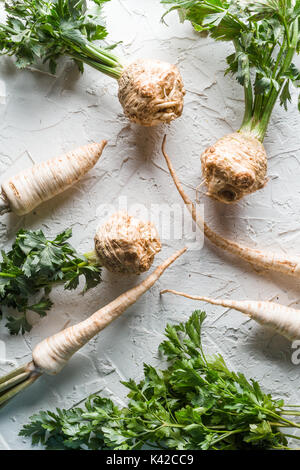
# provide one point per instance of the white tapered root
(52, 354)
(284, 320)
(43, 181)
(266, 260)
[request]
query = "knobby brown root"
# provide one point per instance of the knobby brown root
(125, 244)
(151, 92)
(236, 165)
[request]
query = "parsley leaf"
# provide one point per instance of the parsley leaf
(42, 30)
(196, 402)
(34, 265)
(265, 36)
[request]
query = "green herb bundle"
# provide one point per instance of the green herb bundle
(45, 30)
(36, 264)
(266, 37)
(195, 403)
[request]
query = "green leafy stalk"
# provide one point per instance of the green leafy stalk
(45, 30)
(266, 37)
(35, 264)
(194, 403)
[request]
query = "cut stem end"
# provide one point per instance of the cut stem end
(16, 381)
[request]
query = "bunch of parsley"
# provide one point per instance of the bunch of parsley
(46, 30)
(266, 37)
(195, 403)
(36, 264)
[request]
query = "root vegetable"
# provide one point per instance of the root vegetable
(265, 36)
(127, 245)
(259, 259)
(30, 188)
(52, 354)
(284, 320)
(194, 403)
(236, 165)
(150, 91)
(124, 244)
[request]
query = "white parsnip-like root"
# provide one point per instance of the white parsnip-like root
(43, 181)
(236, 165)
(151, 92)
(52, 354)
(289, 265)
(284, 320)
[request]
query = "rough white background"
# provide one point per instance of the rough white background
(42, 116)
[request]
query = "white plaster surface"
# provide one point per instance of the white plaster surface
(42, 116)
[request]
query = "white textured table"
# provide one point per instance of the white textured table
(42, 116)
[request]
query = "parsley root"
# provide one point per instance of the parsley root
(265, 36)
(265, 260)
(150, 91)
(284, 320)
(52, 354)
(194, 402)
(29, 188)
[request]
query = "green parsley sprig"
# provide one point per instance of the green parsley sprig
(35, 264)
(46, 30)
(194, 403)
(266, 37)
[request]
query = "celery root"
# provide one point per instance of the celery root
(265, 38)
(126, 244)
(263, 259)
(234, 166)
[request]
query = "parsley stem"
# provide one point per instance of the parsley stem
(284, 420)
(14, 381)
(270, 102)
(292, 436)
(248, 95)
(76, 266)
(14, 373)
(7, 275)
(95, 57)
(17, 389)
(115, 72)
